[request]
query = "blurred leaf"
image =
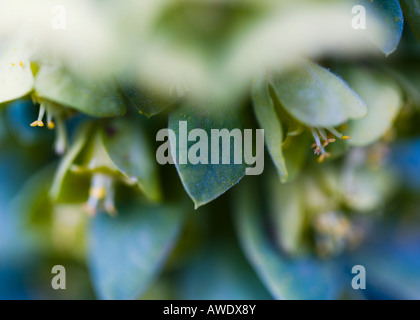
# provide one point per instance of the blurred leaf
(295, 154)
(407, 76)
(268, 120)
(390, 14)
(300, 278)
(15, 169)
(93, 98)
(127, 252)
(94, 157)
(48, 227)
(316, 97)
(287, 215)
(206, 182)
(411, 10)
(384, 100)
(162, 289)
(220, 272)
(16, 78)
(118, 149)
(66, 187)
(130, 151)
(365, 189)
(33, 206)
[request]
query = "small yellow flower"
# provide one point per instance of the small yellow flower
(101, 195)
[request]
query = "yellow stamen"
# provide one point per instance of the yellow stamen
(37, 123)
(101, 195)
(346, 137)
(323, 156)
(21, 63)
(97, 193)
(51, 125)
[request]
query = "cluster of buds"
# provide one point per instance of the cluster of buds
(335, 233)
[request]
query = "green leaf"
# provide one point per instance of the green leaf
(100, 99)
(287, 215)
(411, 10)
(67, 187)
(316, 97)
(16, 78)
(384, 99)
(295, 154)
(119, 149)
(206, 182)
(300, 278)
(30, 213)
(268, 120)
(391, 19)
(33, 204)
(127, 252)
(45, 224)
(130, 151)
(145, 102)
